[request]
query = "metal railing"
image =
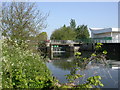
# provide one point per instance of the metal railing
(83, 41)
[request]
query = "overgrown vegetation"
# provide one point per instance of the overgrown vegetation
(23, 69)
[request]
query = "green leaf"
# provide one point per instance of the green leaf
(98, 77)
(99, 44)
(78, 53)
(93, 54)
(84, 58)
(104, 52)
(101, 84)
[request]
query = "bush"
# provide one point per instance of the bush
(23, 69)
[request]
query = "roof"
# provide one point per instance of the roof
(103, 30)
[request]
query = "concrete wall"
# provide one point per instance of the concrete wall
(115, 35)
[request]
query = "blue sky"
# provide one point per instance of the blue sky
(93, 14)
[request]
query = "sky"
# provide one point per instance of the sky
(92, 14)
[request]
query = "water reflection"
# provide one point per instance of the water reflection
(65, 63)
(60, 55)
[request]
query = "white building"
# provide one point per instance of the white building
(109, 34)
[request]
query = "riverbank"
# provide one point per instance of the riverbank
(24, 69)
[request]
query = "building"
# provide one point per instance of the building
(108, 34)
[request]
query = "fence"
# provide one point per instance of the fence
(91, 40)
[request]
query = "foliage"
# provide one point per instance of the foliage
(104, 52)
(42, 48)
(82, 32)
(42, 36)
(71, 32)
(98, 46)
(63, 33)
(42, 40)
(23, 69)
(72, 78)
(72, 24)
(22, 21)
(77, 53)
(91, 82)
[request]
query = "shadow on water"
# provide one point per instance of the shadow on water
(113, 50)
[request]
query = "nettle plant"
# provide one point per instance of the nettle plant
(91, 82)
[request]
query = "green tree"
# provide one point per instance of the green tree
(42, 36)
(63, 33)
(72, 24)
(82, 32)
(56, 35)
(22, 20)
(71, 32)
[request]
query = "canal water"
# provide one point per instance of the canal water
(63, 63)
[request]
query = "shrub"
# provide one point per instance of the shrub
(22, 68)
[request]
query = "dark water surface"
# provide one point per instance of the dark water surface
(63, 63)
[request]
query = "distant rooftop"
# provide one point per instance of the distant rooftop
(104, 30)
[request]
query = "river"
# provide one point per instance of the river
(62, 63)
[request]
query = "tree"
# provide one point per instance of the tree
(22, 20)
(42, 36)
(56, 35)
(82, 32)
(72, 24)
(63, 33)
(71, 32)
